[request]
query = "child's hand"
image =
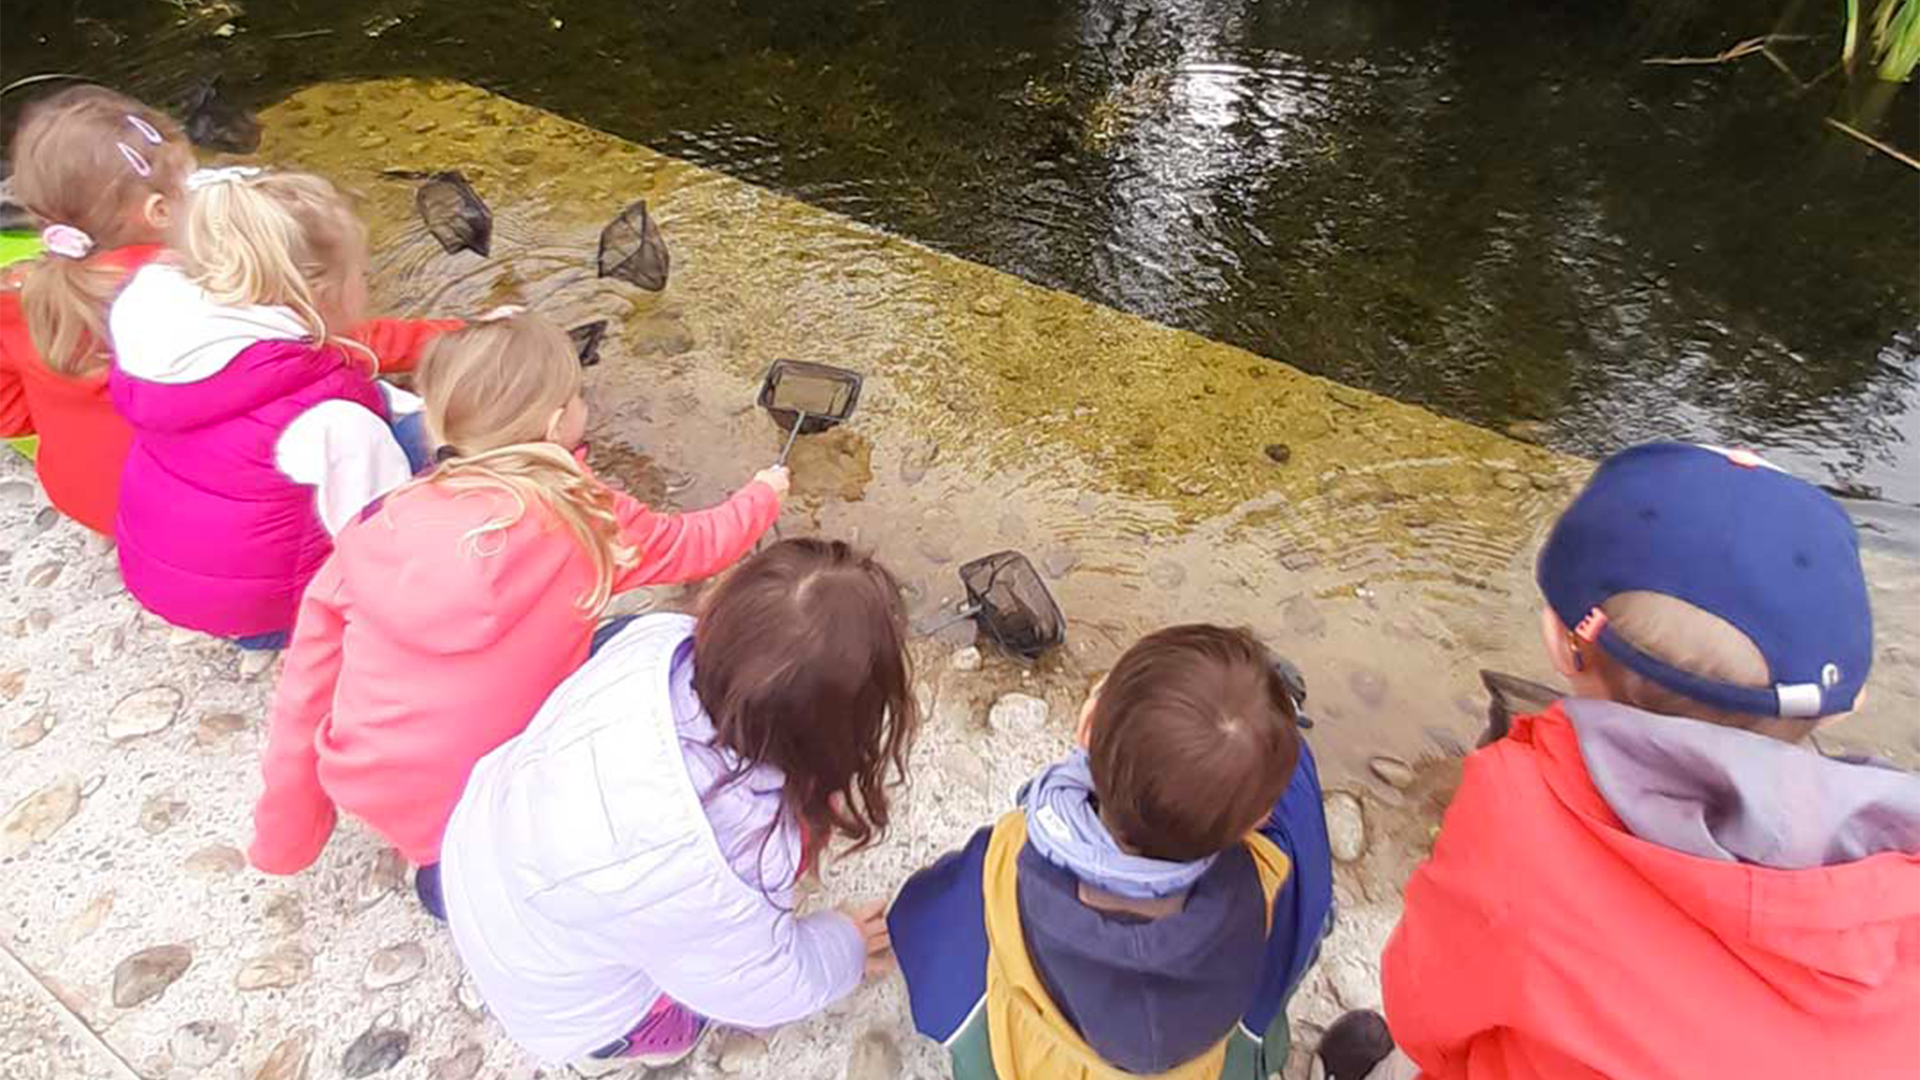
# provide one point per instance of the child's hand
(777, 478)
(870, 918)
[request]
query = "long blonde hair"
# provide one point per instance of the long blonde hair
(491, 391)
(88, 158)
(276, 239)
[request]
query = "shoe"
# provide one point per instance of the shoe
(1354, 1045)
(668, 1036)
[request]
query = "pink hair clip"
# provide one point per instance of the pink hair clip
(134, 159)
(66, 241)
(147, 131)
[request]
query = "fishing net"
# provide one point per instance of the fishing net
(1014, 606)
(632, 249)
(213, 122)
(455, 214)
(586, 341)
(825, 393)
(1510, 696)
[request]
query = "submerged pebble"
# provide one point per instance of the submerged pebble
(1393, 771)
(1059, 562)
(967, 659)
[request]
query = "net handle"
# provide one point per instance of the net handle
(954, 619)
(792, 436)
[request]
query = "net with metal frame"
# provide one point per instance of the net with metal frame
(586, 341)
(455, 214)
(827, 394)
(632, 249)
(1013, 604)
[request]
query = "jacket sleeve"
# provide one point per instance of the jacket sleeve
(15, 419)
(774, 968)
(294, 817)
(1453, 968)
(399, 342)
(684, 547)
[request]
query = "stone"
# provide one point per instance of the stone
(1021, 714)
(1396, 773)
(90, 917)
(462, 1064)
(1279, 453)
(936, 547)
(16, 491)
(741, 1049)
(874, 1057)
(468, 997)
(394, 965)
(159, 813)
(1508, 480)
(199, 1043)
(287, 966)
(372, 140)
(143, 712)
(30, 731)
(215, 728)
(1354, 983)
(39, 815)
(1368, 685)
(1059, 562)
(375, 1051)
(146, 974)
(967, 659)
(383, 874)
(989, 305)
(1346, 826)
(255, 661)
(1533, 431)
(1303, 617)
(12, 681)
(288, 1060)
(46, 519)
(45, 574)
(217, 860)
(283, 914)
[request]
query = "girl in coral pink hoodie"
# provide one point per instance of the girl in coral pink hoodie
(450, 610)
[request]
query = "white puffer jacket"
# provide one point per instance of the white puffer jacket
(584, 877)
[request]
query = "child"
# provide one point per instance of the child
(454, 606)
(106, 174)
(1657, 877)
(1153, 903)
(257, 431)
(624, 870)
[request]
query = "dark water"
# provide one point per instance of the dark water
(1492, 208)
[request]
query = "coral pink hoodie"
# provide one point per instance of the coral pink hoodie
(414, 656)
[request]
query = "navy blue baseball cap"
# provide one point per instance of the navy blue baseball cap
(1732, 535)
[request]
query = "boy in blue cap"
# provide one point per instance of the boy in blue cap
(1658, 877)
(1154, 901)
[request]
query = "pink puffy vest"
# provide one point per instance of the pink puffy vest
(212, 535)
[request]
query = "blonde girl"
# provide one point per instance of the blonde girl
(106, 175)
(453, 607)
(258, 428)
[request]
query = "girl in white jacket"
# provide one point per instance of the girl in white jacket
(622, 874)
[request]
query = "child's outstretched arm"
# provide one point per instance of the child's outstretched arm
(684, 547)
(15, 420)
(398, 343)
(294, 817)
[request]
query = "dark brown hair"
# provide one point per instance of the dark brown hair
(800, 659)
(1193, 740)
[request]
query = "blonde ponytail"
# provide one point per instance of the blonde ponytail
(287, 240)
(491, 391)
(89, 159)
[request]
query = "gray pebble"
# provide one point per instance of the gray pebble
(1393, 771)
(200, 1043)
(375, 1051)
(146, 974)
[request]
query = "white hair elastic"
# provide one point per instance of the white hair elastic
(201, 178)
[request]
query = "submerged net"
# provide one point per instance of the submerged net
(632, 249)
(213, 122)
(586, 341)
(1015, 608)
(825, 393)
(455, 215)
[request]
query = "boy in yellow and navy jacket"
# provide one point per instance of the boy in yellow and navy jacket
(1153, 903)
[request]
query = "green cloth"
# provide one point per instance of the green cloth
(16, 246)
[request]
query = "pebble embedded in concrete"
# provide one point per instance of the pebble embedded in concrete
(287, 1060)
(375, 1051)
(383, 874)
(740, 1049)
(146, 974)
(285, 967)
(217, 860)
(143, 712)
(215, 728)
(1346, 826)
(1019, 714)
(199, 1043)
(394, 965)
(462, 1064)
(874, 1057)
(39, 816)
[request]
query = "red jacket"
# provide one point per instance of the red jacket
(83, 442)
(1542, 940)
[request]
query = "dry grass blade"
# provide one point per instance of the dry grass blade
(1891, 151)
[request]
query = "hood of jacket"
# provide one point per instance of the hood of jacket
(1805, 867)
